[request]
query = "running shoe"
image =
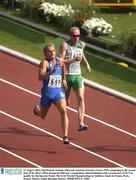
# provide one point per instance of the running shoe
(83, 127)
(65, 140)
(36, 109)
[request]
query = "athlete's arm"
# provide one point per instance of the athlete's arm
(63, 73)
(84, 60)
(63, 49)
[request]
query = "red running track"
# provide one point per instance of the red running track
(28, 141)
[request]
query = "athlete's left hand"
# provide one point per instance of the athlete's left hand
(88, 68)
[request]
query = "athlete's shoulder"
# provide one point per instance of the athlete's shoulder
(65, 43)
(63, 47)
(44, 63)
(82, 44)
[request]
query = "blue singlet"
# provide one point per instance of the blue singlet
(52, 90)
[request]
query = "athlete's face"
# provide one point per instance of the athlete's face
(75, 36)
(51, 53)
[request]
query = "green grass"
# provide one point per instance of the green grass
(21, 30)
(24, 46)
(110, 81)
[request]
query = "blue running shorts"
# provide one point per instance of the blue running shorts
(48, 99)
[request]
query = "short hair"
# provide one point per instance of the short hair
(48, 45)
(74, 28)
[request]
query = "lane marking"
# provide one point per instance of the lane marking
(57, 137)
(20, 157)
(19, 87)
(71, 109)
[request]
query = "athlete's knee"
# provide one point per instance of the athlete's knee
(43, 112)
(80, 98)
(63, 111)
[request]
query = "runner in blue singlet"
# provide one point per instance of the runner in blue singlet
(52, 73)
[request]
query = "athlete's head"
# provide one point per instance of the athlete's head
(50, 51)
(74, 34)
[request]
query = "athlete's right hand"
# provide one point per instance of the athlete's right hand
(77, 58)
(64, 83)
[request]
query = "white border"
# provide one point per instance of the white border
(97, 86)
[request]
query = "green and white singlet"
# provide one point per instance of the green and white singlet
(73, 52)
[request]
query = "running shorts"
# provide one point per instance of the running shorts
(75, 82)
(47, 100)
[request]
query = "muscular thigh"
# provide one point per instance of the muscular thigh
(61, 105)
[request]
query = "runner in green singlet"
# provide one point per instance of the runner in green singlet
(72, 52)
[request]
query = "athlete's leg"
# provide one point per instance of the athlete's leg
(68, 89)
(79, 91)
(81, 105)
(61, 106)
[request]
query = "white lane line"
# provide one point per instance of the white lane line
(71, 109)
(19, 87)
(20, 157)
(53, 135)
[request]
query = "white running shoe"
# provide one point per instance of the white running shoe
(37, 109)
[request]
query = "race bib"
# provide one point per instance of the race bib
(74, 67)
(54, 81)
(76, 52)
